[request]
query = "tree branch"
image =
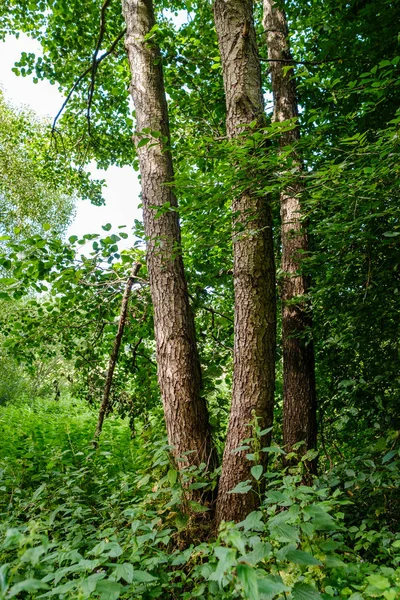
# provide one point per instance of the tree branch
(300, 62)
(83, 75)
(114, 353)
(95, 62)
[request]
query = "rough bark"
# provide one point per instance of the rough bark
(115, 351)
(299, 420)
(254, 269)
(177, 357)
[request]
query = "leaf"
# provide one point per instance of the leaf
(172, 476)
(108, 589)
(125, 572)
(143, 142)
(333, 561)
(248, 578)
(114, 549)
(197, 507)
(29, 585)
(273, 449)
(260, 551)
(39, 490)
(388, 456)
(226, 560)
(88, 585)
(257, 471)
(265, 431)
(33, 555)
(299, 557)
(285, 533)
(143, 577)
(253, 522)
(241, 488)
(378, 581)
(270, 586)
(304, 591)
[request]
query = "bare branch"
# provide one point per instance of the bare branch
(114, 353)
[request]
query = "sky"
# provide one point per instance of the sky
(122, 186)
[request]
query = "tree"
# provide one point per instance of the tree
(253, 267)
(348, 86)
(38, 186)
(178, 363)
(299, 395)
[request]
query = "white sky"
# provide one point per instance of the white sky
(122, 186)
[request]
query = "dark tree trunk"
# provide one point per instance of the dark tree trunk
(177, 358)
(254, 269)
(299, 420)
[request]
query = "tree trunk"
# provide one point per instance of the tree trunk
(114, 352)
(254, 269)
(177, 357)
(299, 420)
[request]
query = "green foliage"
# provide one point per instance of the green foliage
(119, 522)
(38, 187)
(80, 523)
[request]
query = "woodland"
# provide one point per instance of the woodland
(205, 403)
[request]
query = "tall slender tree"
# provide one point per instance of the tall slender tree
(177, 357)
(299, 418)
(254, 269)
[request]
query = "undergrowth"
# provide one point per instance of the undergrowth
(78, 523)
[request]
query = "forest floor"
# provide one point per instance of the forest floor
(80, 523)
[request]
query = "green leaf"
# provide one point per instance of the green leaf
(273, 450)
(124, 571)
(257, 471)
(197, 507)
(88, 585)
(253, 521)
(108, 589)
(33, 555)
(304, 591)
(285, 533)
(248, 578)
(299, 557)
(226, 560)
(270, 586)
(143, 142)
(333, 561)
(143, 577)
(388, 456)
(29, 585)
(241, 488)
(378, 581)
(172, 476)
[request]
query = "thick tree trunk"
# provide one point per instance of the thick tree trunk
(254, 269)
(177, 358)
(299, 420)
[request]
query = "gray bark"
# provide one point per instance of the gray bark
(177, 357)
(254, 269)
(299, 421)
